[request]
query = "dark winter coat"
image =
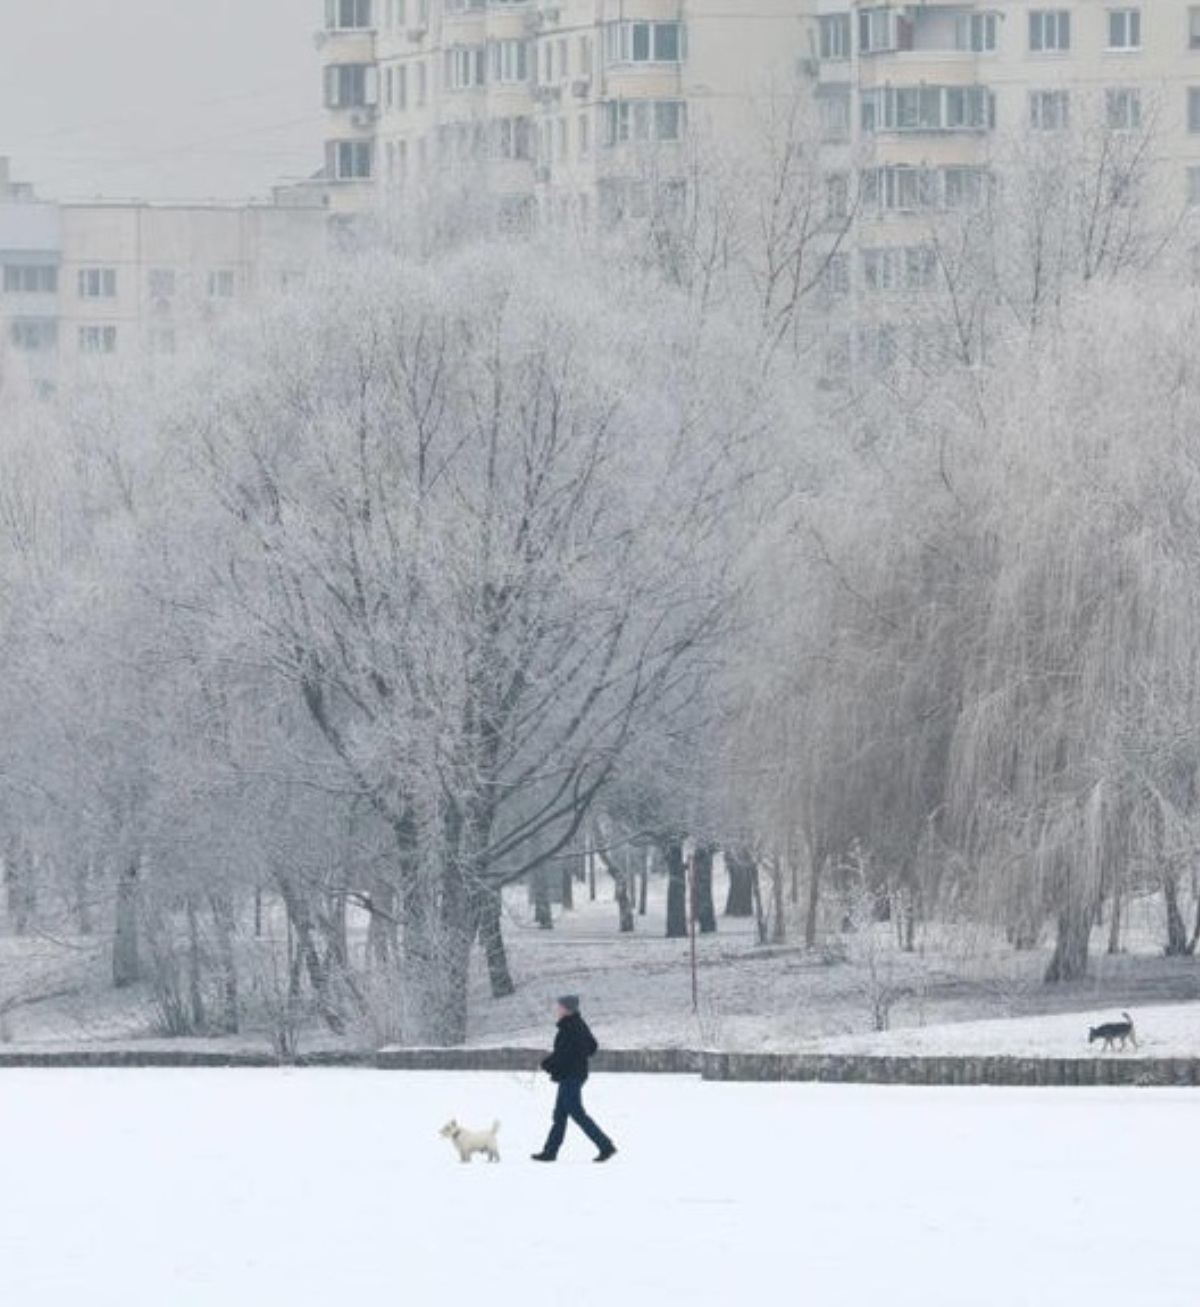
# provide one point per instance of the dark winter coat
(573, 1045)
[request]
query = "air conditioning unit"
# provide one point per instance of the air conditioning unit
(362, 117)
(319, 39)
(415, 35)
(551, 14)
(541, 174)
(581, 88)
(547, 94)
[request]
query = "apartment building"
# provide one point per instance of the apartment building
(923, 107)
(92, 284)
(558, 110)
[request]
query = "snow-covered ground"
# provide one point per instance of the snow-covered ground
(56, 992)
(250, 1189)
(1162, 1031)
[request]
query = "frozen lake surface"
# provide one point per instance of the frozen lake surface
(224, 1189)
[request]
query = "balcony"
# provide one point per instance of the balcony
(936, 110)
(937, 32)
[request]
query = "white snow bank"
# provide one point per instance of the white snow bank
(244, 1189)
(1171, 1030)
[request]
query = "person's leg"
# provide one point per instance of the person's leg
(558, 1125)
(578, 1114)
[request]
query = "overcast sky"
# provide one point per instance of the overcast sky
(149, 98)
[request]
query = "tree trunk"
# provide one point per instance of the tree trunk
(1070, 958)
(760, 911)
(20, 889)
(706, 916)
(779, 925)
(677, 923)
(489, 916)
(82, 887)
(624, 886)
(644, 882)
(543, 913)
(568, 887)
(127, 968)
(1114, 924)
(225, 924)
(308, 958)
(383, 946)
(1177, 935)
(739, 902)
(812, 912)
(195, 962)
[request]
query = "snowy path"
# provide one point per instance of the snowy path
(224, 1189)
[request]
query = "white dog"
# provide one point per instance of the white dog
(469, 1142)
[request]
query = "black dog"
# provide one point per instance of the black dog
(1113, 1032)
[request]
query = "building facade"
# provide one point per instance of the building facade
(924, 108)
(569, 108)
(559, 110)
(87, 284)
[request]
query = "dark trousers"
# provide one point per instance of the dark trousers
(568, 1106)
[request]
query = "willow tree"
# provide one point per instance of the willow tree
(1076, 757)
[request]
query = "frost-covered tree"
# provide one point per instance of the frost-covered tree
(475, 518)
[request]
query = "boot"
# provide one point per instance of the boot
(609, 1150)
(542, 1157)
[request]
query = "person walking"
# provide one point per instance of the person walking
(567, 1066)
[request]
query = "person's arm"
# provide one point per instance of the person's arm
(550, 1063)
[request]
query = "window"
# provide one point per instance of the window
(834, 111)
(899, 268)
(644, 120)
(1049, 111)
(512, 138)
(837, 197)
(465, 68)
(928, 109)
(584, 135)
(422, 83)
(877, 30)
(904, 187)
(349, 160)
(33, 335)
(222, 284)
(97, 283)
(1194, 108)
(1049, 30)
(976, 32)
(835, 275)
(1123, 109)
(97, 340)
(351, 86)
(510, 62)
(644, 43)
(835, 36)
(1193, 186)
(347, 13)
(1124, 29)
(30, 279)
(1194, 27)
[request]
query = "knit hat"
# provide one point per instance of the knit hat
(569, 1001)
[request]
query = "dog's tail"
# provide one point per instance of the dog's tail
(495, 1127)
